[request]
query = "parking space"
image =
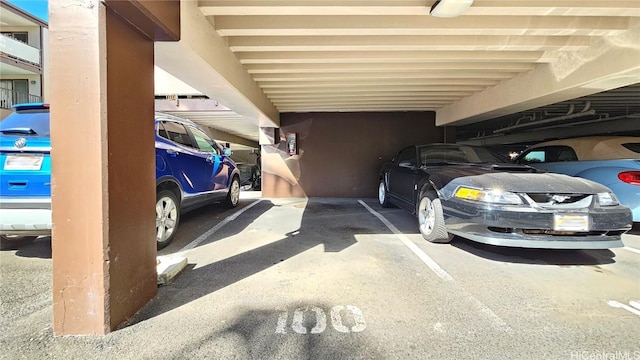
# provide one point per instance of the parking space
(345, 279)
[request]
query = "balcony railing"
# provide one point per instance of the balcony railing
(19, 50)
(8, 98)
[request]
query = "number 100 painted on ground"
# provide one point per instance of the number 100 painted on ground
(338, 314)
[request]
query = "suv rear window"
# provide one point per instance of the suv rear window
(25, 123)
(635, 147)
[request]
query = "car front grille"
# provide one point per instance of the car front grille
(565, 201)
(503, 230)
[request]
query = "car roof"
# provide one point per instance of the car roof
(598, 147)
(164, 116)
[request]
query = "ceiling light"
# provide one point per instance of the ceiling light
(450, 8)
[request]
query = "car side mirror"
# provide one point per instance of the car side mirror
(227, 151)
(406, 164)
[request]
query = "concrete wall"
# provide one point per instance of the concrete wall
(340, 154)
(103, 182)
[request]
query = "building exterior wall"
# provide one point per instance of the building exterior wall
(45, 65)
(340, 154)
(23, 61)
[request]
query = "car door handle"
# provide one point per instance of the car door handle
(172, 152)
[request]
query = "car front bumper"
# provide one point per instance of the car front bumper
(526, 227)
(25, 217)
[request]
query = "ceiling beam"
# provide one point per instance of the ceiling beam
(202, 60)
(608, 64)
(360, 57)
(417, 7)
(407, 43)
(318, 25)
(381, 83)
(397, 67)
(444, 75)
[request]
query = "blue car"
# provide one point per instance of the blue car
(613, 161)
(183, 151)
(192, 170)
(25, 173)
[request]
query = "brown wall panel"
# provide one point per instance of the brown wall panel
(340, 154)
(158, 20)
(103, 183)
(131, 143)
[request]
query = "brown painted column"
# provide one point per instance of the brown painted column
(103, 161)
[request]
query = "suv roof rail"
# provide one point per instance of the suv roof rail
(30, 106)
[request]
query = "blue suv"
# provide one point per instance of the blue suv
(191, 170)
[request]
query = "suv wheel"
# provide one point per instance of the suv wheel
(233, 197)
(167, 217)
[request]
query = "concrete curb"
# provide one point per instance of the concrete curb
(168, 267)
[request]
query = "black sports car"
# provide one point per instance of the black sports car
(250, 178)
(475, 193)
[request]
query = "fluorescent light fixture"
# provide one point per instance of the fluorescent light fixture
(450, 8)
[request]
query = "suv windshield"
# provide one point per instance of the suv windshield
(25, 123)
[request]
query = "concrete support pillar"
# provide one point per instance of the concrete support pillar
(103, 161)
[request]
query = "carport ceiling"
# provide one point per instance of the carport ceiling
(501, 57)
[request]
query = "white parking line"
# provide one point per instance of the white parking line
(484, 309)
(634, 250)
(413, 247)
(218, 226)
(631, 309)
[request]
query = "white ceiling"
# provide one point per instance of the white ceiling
(263, 57)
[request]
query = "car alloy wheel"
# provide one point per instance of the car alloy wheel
(167, 217)
(426, 216)
(233, 197)
(383, 198)
(431, 219)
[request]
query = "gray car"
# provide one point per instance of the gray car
(474, 193)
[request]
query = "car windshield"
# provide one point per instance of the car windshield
(24, 123)
(459, 154)
(635, 147)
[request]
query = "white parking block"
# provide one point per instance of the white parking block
(169, 267)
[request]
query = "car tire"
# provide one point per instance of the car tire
(15, 241)
(167, 217)
(383, 195)
(431, 219)
(256, 184)
(233, 196)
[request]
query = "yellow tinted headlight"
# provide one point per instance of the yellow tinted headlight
(488, 196)
(469, 193)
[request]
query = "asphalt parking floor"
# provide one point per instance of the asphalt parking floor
(345, 279)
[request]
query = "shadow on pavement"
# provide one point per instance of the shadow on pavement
(635, 230)
(535, 256)
(38, 248)
(252, 333)
(315, 229)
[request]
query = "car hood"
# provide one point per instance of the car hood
(516, 179)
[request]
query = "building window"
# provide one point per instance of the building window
(13, 92)
(17, 35)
